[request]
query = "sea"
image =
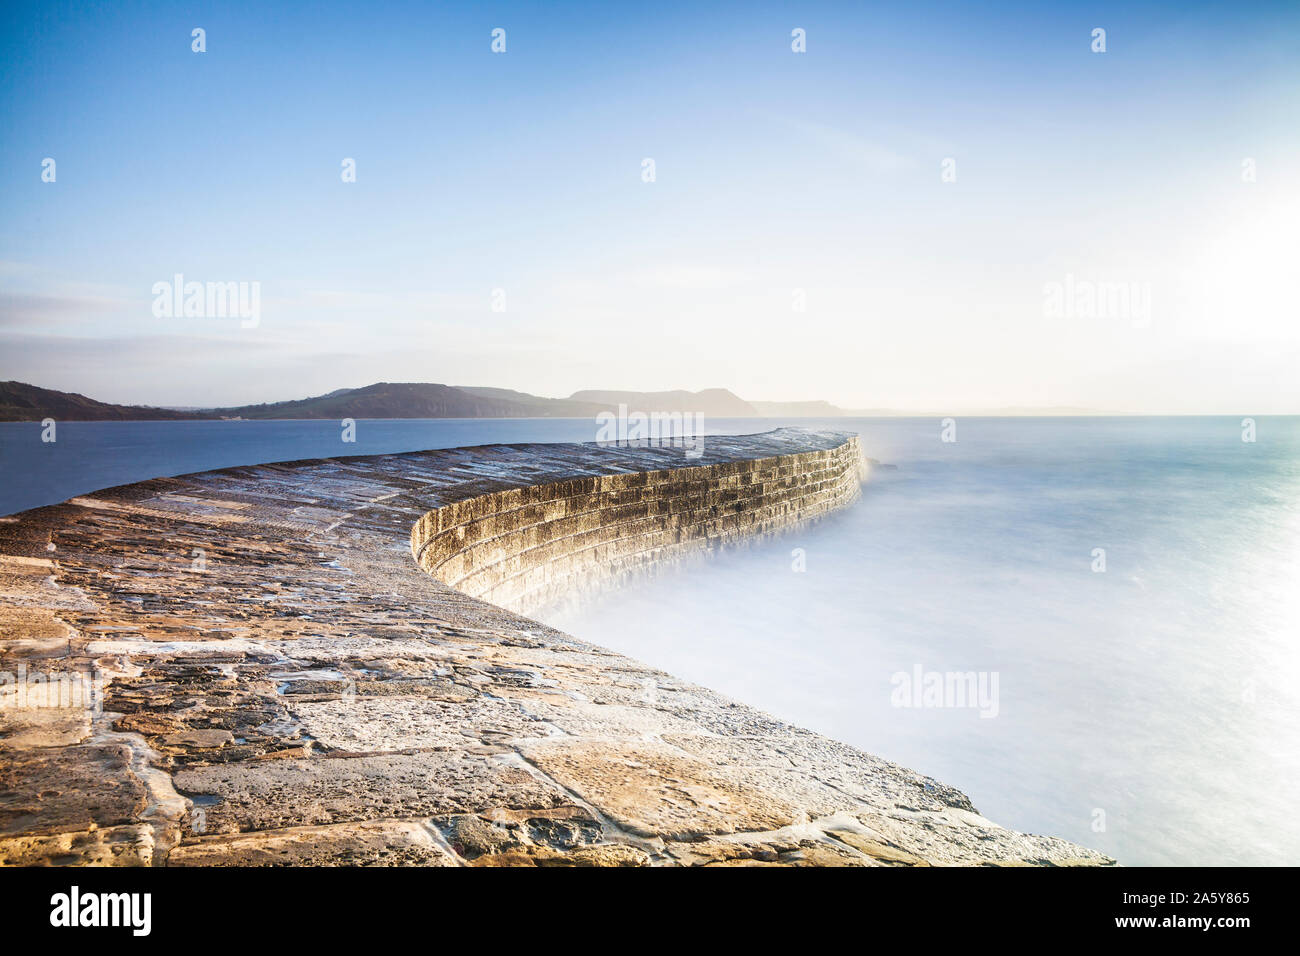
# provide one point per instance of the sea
(1091, 626)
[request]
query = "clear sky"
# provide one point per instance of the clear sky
(775, 171)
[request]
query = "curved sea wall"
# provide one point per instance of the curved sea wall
(527, 547)
(247, 667)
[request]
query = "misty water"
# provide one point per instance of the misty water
(1148, 709)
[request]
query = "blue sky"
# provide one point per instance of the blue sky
(778, 175)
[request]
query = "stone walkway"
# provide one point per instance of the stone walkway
(281, 683)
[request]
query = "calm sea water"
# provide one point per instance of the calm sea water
(1149, 709)
(87, 456)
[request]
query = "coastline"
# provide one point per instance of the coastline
(283, 683)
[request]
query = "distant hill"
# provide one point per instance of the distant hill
(713, 402)
(22, 402)
(413, 400)
(545, 407)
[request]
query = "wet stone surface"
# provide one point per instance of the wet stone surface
(279, 682)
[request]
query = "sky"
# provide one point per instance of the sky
(938, 207)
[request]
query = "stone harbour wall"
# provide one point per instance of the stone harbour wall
(524, 548)
(274, 681)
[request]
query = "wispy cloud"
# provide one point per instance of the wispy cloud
(19, 309)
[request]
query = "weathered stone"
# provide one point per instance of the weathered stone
(199, 739)
(148, 724)
(771, 852)
(112, 846)
(383, 843)
(654, 790)
(888, 855)
(610, 854)
(307, 694)
(56, 790)
(364, 725)
(43, 727)
(265, 795)
(471, 836)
